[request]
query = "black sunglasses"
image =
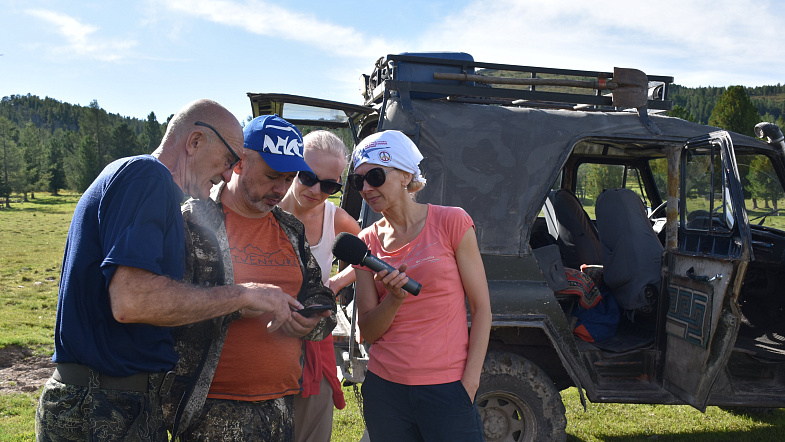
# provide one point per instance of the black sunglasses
(308, 179)
(375, 177)
(234, 154)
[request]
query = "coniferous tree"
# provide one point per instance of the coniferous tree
(154, 133)
(96, 124)
(57, 178)
(9, 146)
(680, 112)
(34, 152)
(602, 177)
(85, 164)
(735, 112)
(14, 173)
(143, 141)
(763, 181)
(124, 142)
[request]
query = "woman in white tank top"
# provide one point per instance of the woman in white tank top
(326, 155)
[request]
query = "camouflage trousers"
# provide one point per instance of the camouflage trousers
(72, 413)
(261, 421)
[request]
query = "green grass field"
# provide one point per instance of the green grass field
(32, 237)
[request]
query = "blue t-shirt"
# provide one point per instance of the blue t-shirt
(130, 216)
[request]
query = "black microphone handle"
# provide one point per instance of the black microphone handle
(377, 265)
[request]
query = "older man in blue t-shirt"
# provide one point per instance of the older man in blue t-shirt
(120, 287)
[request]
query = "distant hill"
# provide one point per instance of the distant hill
(51, 114)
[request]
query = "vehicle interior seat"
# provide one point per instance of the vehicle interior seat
(574, 232)
(631, 251)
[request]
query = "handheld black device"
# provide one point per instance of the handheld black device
(312, 310)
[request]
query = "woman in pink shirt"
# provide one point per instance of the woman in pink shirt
(424, 367)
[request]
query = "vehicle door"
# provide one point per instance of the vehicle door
(703, 277)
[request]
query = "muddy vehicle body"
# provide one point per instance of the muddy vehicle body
(681, 217)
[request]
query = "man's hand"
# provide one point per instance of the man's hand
(267, 298)
(300, 325)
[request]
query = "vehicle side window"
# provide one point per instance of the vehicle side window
(762, 190)
(593, 178)
(659, 169)
(707, 207)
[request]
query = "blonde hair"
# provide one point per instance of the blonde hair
(327, 142)
(415, 186)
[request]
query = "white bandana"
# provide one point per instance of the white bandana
(389, 148)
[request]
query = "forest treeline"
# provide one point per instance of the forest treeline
(700, 101)
(49, 145)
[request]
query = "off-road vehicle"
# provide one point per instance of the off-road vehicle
(564, 168)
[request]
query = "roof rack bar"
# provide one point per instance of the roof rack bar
(511, 67)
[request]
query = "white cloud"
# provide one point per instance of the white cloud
(81, 39)
(699, 42)
(269, 19)
(685, 39)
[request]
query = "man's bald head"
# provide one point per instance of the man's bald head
(202, 142)
(204, 110)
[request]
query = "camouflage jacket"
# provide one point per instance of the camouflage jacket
(209, 263)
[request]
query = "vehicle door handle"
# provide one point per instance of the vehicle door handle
(691, 274)
(766, 245)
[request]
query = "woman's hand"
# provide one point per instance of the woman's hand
(471, 388)
(394, 281)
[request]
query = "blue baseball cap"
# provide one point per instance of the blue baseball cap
(278, 142)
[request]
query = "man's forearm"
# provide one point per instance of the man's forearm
(140, 296)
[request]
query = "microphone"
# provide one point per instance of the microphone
(353, 250)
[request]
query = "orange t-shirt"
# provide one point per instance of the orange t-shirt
(256, 365)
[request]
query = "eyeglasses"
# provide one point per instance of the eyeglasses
(375, 177)
(308, 179)
(234, 154)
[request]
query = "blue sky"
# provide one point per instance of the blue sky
(135, 57)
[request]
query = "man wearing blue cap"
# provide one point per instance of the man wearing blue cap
(241, 379)
(121, 289)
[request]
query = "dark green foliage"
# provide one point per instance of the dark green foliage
(680, 112)
(735, 112)
(700, 101)
(34, 153)
(45, 143)
(124, 142)
(154, 133)
(57, 152)
(85, 164)
(13, 176)
(763, 181)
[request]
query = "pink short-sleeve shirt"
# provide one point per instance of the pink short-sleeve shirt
(428, 341)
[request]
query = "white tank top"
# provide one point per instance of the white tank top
(323, 251)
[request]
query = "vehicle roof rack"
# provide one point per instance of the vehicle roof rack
(457, 78)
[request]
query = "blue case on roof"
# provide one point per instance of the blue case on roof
(423, 72)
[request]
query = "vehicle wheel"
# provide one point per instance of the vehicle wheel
(518, 401)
